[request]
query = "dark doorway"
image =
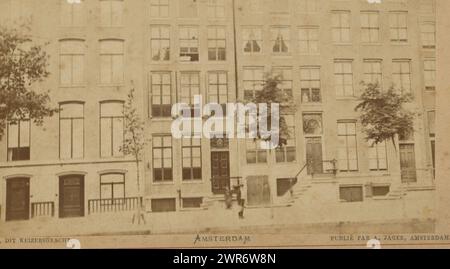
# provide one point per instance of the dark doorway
(220, 171)
(408, 163)
(17, 199)
(71, 196)
(314, 155)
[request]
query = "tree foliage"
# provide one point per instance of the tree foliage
(383, 113)
(271, 93)
(22, 66)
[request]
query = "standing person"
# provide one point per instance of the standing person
(241, 201)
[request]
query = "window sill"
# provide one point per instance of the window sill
(192, 182)
(368, 44)
(171, 183)
(191, 209)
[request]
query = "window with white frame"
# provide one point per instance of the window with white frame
(347, 147)
(189, 87)
(111, 129)
(280, 39)
(310, 84)
(308, 6)
(285, 75)
(216, 8)
(428, 35)
(161, 96)
(398, 26)
(287, 152)
(160, 43)
(343, 78)
(340, 23)
(255, 154)
(192, 158)
(112, 188)
(18, 140)
(111, 61)
(216, 43)
(189, 51)
(429, 66)
(159, 8)
(111, 13)
(162, 158)
(253, 81)
(72, 13)
(252, 39)
(218, 87)
(372, 71)
(188, 8)
(370, 26)
(309, 39)
(377, 156)
(401, 75)
(71, 130)
(71, 66)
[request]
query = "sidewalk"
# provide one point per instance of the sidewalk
(257, 220)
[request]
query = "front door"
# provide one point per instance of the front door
(258, 191)
(71, 196)
(314, 155)
(408, 163)
(220, 171)
(17, 199)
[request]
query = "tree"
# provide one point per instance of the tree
(133, 145)
(272, 94)
(383, 113)
(22, 66)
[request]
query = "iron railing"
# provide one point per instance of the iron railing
(40, 209)
(113, 205)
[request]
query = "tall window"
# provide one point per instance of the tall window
(428, 35)
(189, 87)
(286, 82)
(341, 26)
(280, 39)
(343, 78)
(372, 71)
(111, 129)
(255, 154)
(309, 39)
(111, 61)
(72, 13)
(377, 156)
(253, 81)
(286, 153)
(112, 188)
(310, 84)
(398, 26)
(308, 6)
(19, 140)
(161, 98)
(160, 43)
(111, 13)
(188, 8)
(71, 62)
(370, 26)
(192, 159)
(216, 8)
(218, 87)
(162, 158)
(71, 131)
(402, 75)
(189, 44)
(159, 8)
(216, 44)
(347, 150)
(430, 74)
(252, 38)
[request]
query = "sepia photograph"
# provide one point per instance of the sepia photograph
(224, 124)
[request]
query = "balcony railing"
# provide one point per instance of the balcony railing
(40, 209)
(113, 205)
